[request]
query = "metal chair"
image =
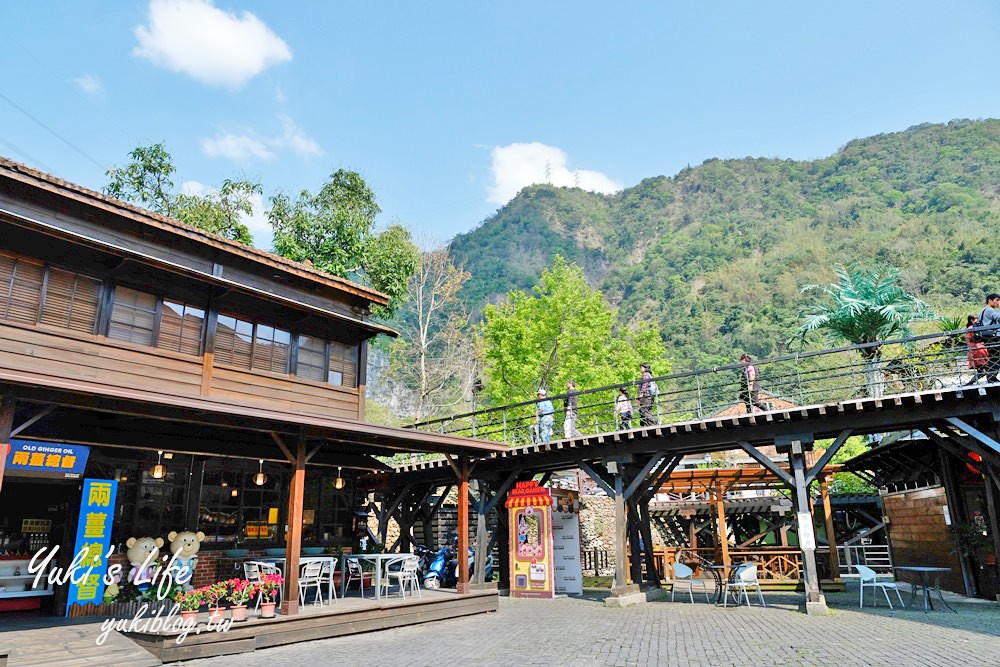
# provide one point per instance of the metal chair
(324, 575)
(354, 573)
(389, 567)
(684, 576)
(744, 576)
(869, 578)
(310, 577)
(254, 571)
(407, 575)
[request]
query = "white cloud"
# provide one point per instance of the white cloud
(519, 165)
(260, 229)
(294, 138)
(90, 84)
(238, 147)
(216, 47)
(247, 146)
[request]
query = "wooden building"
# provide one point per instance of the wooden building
(155, 343)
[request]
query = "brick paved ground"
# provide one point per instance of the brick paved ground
(582, 632)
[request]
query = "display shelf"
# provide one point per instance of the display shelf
(7, 580)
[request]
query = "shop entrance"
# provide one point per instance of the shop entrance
(34, 513)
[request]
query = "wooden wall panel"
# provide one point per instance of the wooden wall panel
(285, 393)
(920, 536)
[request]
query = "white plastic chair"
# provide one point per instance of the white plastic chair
(684, 576)
(869, 578)
(744, 576)
(354, 573)
(324, 575)
(254, 572)
(389, 566)
(310, 577)
(406, 575)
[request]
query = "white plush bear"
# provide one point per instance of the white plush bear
(143, 553)
(184, 546)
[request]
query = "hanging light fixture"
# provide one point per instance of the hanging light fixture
(339, 482)
(260, 478)
(235, 492)
(159, 470)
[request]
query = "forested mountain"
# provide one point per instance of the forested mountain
(717, 253)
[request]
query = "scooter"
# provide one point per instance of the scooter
(443, 570)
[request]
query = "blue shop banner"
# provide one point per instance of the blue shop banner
(46, 459)
(93, 533)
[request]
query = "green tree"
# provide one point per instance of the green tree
(868, 306)
(563, 330)
(334, 229)
(220, 211)
(434, 356)
(146, 182)
(848, 482)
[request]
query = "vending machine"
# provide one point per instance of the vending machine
(531, 566)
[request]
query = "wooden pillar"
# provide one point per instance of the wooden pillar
(991, 506)
(653, 574)
(7, 405)
(482, 534)
(503, 546)
(815, 602)
(463, 526)
(635, 559)
(722, 538)
(831, 537)
(293, 539)
(621, 573)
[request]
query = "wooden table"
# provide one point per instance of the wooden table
(924, 574)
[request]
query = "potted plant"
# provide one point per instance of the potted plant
(213, 595)
(238, 592)
(189, 602)
(270, 584)
(971, 540)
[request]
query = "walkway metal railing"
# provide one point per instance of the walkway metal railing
(876, 556)
(919, 363)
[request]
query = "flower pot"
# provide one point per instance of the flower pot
(239, 612)
(267, 609)
(192, 615)
(216, 614)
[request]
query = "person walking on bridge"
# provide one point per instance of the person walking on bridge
(623, 408)
(989, 317)
(544, 416)
(749, 386)
(646, 397)
(572, 411)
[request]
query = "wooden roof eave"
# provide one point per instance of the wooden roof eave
(33, 177)
(173, 267)
(206, 410)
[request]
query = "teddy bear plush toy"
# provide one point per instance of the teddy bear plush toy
(184, 546)
(143, 554)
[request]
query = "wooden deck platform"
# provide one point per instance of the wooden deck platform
(343, 617)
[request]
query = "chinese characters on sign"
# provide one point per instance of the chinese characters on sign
(46, 459)
(93, 537)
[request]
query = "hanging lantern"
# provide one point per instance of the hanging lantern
(339, 482)
(159, 470)
(235, 492)
(260, 478)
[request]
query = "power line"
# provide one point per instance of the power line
(25, 155)
(53, 132)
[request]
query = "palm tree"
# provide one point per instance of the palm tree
(868, 306)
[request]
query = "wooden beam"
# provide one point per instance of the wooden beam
(293, 539)
(641, 477)
(722, 538)
(313, 453)
(7, 406)
(31, 420)
(975, 433)
(828, 455)
(593, 474)
(284, 448)
(831, 535)
(766, 462)
(463, 526)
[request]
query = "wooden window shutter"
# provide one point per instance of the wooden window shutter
(24, 291)
(71, 301)
(181, 327)
(343, 364)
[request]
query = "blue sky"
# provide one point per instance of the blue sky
(448, 108)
